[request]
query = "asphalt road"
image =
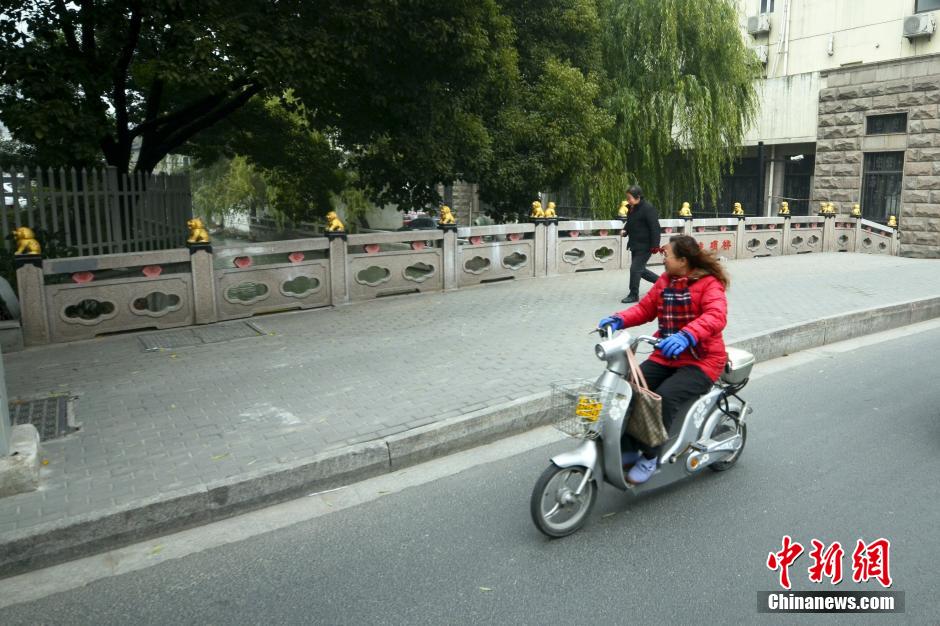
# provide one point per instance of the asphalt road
(841, 447)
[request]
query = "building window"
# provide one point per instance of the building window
(921, 6)
(884, 124)
(767, 6)
(881, 185)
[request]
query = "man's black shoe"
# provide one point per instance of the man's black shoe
(631, 297)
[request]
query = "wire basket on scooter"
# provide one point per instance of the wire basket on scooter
(576, 408)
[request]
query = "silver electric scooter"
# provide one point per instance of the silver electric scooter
(708, 432)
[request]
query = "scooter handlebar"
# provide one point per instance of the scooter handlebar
(653, 341)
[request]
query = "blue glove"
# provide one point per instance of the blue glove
(613, 321)
(674, 345)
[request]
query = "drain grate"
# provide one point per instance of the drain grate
(198, 336)
(50, 416)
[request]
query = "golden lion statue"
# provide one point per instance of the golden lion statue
(738, 209)
(537, 210)
(624, 210)
(446, 216)
(550, 211)
(686, 210)
(333, 224)
(26, 241)
(197, 231)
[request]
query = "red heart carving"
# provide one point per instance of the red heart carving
(417, 245)
(574, 233)
(152, 270)
(295, 257)
(475, 240)
(371, 248)
(724, 228)
(242, 261)
(668, 230)
(83, 277)
(602, 233)
(515, 236)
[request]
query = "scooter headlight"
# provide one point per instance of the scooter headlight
(599, 352)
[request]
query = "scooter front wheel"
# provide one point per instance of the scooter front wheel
(557, 508)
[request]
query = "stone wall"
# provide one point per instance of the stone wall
(911, 87)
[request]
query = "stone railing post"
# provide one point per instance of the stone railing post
(687, 226)
(785, 243)
(551, 246)
(829, 233)
(541, 247)
(204, 300)
(740, 240)
(31, 286)
(5, 426)
(19, 450)
(339, 267)
(450, 252)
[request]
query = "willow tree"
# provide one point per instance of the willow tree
(681, 84)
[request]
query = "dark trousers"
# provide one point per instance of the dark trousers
(638, 260)
(676, 385)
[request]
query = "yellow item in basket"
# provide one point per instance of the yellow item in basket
(588, 408)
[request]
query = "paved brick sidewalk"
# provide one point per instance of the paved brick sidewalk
(160, 421)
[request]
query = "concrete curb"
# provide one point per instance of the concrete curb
(55, 542)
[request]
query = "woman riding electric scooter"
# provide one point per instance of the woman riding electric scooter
(689, 302)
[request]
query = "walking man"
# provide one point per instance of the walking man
(642, 232)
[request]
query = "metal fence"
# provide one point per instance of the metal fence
(96, 211)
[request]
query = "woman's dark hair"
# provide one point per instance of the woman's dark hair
(686, 247)
(636, 192)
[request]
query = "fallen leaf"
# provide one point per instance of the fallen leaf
(45, 461)
(485, 589)
(219, 457)
(608, 515)
(156, 550)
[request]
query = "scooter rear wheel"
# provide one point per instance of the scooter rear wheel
(724, 429)
(555, 508)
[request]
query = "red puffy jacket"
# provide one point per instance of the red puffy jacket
(710, 307)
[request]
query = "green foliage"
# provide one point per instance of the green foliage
(546, 134)
(403, 87)
(226, 188)
(348, 100)
(680, 83)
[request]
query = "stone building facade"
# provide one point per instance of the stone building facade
(851, 140)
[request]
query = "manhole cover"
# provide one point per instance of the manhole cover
(197, 336)
(50, 416)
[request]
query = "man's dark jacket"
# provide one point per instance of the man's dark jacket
(642, 227)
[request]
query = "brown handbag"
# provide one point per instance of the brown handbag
(646, 411)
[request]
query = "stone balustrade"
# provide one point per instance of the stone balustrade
(79, 298)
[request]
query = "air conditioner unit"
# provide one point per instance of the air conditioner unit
(758, 24)
(919, 26)
(762, 53)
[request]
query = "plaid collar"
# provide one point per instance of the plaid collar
(676, 310)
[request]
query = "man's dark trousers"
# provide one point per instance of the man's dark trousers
(638, 270)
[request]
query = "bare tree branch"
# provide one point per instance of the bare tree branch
(68, 29)
(173, 140)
